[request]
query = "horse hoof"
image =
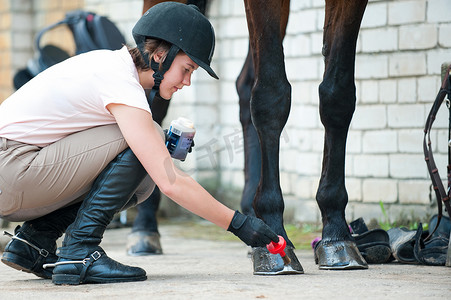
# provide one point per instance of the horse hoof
(339, 255)
(266, 263)
(141, 243)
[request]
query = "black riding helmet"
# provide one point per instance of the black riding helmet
(185, 27)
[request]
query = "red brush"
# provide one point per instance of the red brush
(278, 248)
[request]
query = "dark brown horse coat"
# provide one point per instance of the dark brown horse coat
(265, 100)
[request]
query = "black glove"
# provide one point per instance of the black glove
(251, 230)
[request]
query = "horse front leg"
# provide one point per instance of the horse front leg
(337, 249)
(270, 106)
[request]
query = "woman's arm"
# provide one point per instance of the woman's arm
(145, 140)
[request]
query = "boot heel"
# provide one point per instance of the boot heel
(17, 262)
(65, 279)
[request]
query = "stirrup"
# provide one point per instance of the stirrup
(42, 252)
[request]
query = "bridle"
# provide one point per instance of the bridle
(440, 192)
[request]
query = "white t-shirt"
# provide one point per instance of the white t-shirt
(72, 96)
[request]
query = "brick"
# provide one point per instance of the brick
(369, 117)
(234, 27)
(53, 17)
(301, 140)
(302, 93)
(380, 141)
(414, 191)
(238, 8)
(407, 90)
(308, 117)
(229, 114)
(371, 165)
(354, 189)
(320, 17)
(209, 94)
(405, 116)
(410, 140)
(307, 211)
(302, 21)
(370, 91)
(354, 142)
(441, 161)
(317, 3)
(231, 149)
(46, 5)
(300, 4)
(405, 12)
(5, 41)
(435, 58)
(371, 66)
(379, 40)
(73, 4)
(387, 91)
(438, 11)
(308, 163)
(21, 41)
(5, 21)
(308, 140)
(442, 118)
(444, 35)
(302, 68)
(299, 45)
(5, 5)
(428, 88)
(5, 60)
(375, 15)
(418, 37)
(286, 183)
(407, 64)
(408, 166)
(441, 143)
(119, 11)
(287, 159)
(21, 22)
(376, 190)
(22, 6)
(239, 48)
(230, 70)
(5, 78)
(305, 187)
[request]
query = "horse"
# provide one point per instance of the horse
(265, 99)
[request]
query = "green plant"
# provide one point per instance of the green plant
(385, 224)
(411, 222)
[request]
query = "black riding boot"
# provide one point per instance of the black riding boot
(34, 243)
(81, 259)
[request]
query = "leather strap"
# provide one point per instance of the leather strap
(441, 194)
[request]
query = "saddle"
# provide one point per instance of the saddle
(90, 32)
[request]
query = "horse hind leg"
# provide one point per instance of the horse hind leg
(252, 153)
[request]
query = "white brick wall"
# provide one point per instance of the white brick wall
(400, 49)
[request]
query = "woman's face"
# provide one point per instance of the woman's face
(178, 75)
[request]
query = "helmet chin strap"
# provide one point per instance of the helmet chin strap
(158, 73)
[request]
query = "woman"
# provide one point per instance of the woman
(78, 144)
